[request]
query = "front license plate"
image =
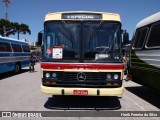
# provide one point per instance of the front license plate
(80, 92)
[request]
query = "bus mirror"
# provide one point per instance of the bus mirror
(125, 37)
(40, 37)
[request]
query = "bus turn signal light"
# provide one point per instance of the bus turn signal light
(108, 84)
(53, 83)
(116, 84)
(47, 82)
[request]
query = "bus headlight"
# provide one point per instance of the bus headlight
(47, 75)
(108, 76)
(115, 76)
(54, 75)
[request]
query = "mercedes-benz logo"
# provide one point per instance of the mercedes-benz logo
(81, 76)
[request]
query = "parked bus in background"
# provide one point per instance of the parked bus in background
(82, 54)
(14, 55)
(145, 52)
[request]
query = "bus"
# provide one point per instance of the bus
(145, 52)
(14, 55)
(82, 54)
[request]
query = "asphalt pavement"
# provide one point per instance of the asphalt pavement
(21, 92)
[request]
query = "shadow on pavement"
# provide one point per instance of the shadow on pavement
(10, 74)
(82, 103)
(146, 94)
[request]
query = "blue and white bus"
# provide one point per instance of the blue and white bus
(14, 55)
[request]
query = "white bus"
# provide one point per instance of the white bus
(145, 52)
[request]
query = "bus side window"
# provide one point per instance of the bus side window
(26, 48)
(2, 47)
(154, 36)
(5, 47)
(140, 38)
(16, 47)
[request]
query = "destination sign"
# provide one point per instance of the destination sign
(81, 16)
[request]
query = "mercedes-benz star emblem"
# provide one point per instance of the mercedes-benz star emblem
(81, 76)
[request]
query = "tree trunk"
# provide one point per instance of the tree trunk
(18, 34)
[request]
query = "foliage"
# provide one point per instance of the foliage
(11, 28)
(4, 27)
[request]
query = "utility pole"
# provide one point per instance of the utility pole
(6, 7)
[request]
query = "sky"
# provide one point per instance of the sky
(32, 12)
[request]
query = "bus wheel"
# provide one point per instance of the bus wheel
(16, 68)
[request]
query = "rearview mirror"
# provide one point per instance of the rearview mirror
(40, 38)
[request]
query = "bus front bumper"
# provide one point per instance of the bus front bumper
(82, 91)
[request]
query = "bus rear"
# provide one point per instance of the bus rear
(82, 54)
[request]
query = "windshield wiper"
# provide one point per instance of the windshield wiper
(94, 33)
(68, 31)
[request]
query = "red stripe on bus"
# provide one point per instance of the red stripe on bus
(82, 66)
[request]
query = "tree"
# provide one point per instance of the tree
(21, 28)
(7, 28)
(2, 27)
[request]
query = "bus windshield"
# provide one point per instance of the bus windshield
(82, 41)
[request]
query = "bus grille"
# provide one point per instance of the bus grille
(87, 76)
(81, 79)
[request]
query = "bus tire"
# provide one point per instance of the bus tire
(17, 68)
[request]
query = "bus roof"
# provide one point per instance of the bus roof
(148, 20)
(7, 39)
(104, 15)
